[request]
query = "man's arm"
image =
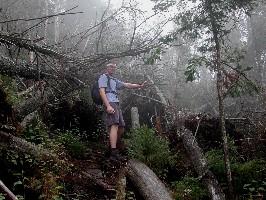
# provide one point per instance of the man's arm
(105, 101)
(134, 85)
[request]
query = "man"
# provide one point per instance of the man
(112, 110)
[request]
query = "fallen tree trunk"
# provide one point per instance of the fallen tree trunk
(34, 103)
(7, 191)
(200, 164)
(11, 142)
(146, 181)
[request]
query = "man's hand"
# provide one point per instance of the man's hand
(110, 110)
(143, 84)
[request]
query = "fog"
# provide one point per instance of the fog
(145, 38)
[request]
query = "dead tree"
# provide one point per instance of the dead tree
(7, 191)
(146, 181)
(200, 164)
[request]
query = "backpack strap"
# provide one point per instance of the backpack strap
(108, 85)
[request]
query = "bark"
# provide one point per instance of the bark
(19, 145)
(30, 71)
(56, 22)
(146, 181)
(219, 85)
(33, 104)
(11, 142)
(21, 69)
(84, 61)
(158, 91)
(7, 191)
(135, 117)
(208, 180)
(24, 43)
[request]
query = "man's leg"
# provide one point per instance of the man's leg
(113, 135)
(120, 141)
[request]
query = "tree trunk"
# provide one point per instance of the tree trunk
(7, 191)
(146, 181)
(56, 22)
(158, 91)
(219, 85)
(135, 117)
(208, 180)
(11, 142)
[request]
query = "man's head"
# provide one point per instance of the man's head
(110, 68)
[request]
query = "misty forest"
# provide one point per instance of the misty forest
(195, 131)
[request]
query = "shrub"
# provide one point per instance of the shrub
(189, 188)
(151, 149)
(35, 133)
(247, 177)
(72, 142)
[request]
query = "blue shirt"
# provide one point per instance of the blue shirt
(111, 93)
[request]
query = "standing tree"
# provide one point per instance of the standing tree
(209, 23)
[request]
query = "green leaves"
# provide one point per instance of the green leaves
(156, 55)
(242, 86)
(150, 148)
(190, 188)
(163, 5)
(191, 72)
(17, 183)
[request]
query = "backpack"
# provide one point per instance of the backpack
(95, 94)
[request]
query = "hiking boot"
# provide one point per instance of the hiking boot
(107, 153)
(116, 156)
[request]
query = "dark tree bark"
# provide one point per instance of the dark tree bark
(200, 164)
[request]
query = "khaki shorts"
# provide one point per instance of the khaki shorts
(115, 118)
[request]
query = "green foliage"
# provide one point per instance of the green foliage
(20, 166)
(156, 55)
(72, 142)
(241, 87)
(2, 196)
(153, 150)
(204, 21)
(189, 188)
(255, 189)
(35, 133)
(215, 160)
(168, 38)
(10, 87)
(85, 95)
(163, 5)
(247, 177)
(191, 72)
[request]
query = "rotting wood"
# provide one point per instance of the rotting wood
(200, 164)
